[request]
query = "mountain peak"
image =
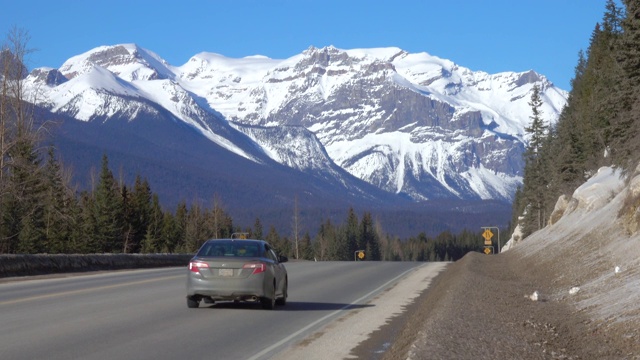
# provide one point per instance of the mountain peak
(528, 77)
(128, 61)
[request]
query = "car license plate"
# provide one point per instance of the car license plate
(226, 272)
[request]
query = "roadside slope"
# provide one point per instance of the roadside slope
(584, 269)
(480, 308)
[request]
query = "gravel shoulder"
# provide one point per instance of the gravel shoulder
(338, 339)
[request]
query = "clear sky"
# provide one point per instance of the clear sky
(487, 35)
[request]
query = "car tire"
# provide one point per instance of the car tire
(282, 301)
(193, 303)
(268, 303)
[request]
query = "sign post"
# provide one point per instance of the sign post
(487, 235)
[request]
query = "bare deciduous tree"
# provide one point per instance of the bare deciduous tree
(16, 119)
(296, 228)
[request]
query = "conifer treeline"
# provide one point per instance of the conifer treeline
(116, 218)
(112, 218)
(40, 212)
(599, 126)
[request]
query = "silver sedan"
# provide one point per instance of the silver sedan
(237, 270)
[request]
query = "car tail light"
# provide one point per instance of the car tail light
(195, 266)
(257, 267)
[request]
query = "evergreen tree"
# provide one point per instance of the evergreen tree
(417, 249)
(88, 225)
(534, 171)
(369, 237)
(140, 205)
(257, 229)
(537, 128)
(29, 190)
(604, 74)
(178, 244)
(75, 242)
(626, 126)
(152, 238)
(613, 17)
(286, 248)
(353, 240)
(570, 144)
(196, 228)
(108, 211)
(273, 238)
(306, 248)
(59, 203)
(339, 247)
(584, 133)
(169, 233)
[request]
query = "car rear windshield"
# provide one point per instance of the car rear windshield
(235, 248)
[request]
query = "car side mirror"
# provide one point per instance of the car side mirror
(283, 258)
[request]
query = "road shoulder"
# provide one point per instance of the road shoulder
(338, 339)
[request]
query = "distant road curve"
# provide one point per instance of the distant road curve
(142, 314)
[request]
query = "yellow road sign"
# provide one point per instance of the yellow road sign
(361, 255)
(488, 250)
(487, 235)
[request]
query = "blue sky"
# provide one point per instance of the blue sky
(487, 35)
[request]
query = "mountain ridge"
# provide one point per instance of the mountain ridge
(414, 126)
(348, 98)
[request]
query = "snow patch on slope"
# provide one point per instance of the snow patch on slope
(590, 247)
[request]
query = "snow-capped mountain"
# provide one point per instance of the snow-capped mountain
(407, 123)
(410, 124)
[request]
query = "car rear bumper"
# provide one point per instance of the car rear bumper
(226, 289)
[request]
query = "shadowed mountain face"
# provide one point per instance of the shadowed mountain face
(204, 172)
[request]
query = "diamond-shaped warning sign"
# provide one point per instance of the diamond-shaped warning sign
(487, 235)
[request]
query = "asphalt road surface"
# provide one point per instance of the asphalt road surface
(143, 314)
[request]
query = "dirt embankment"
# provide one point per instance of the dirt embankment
(482, 307)
(29, 265)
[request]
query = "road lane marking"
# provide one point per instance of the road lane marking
(87, 290)
(324, 318)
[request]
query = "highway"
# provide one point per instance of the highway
(142, 314)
